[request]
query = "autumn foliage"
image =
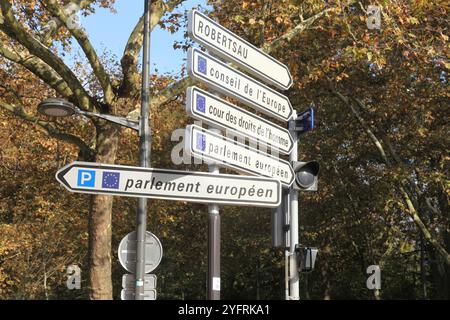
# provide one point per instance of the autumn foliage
(381, 137)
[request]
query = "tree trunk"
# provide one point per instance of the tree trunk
(100, 214)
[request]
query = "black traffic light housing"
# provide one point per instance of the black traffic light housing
(306, 258)
(306, 175)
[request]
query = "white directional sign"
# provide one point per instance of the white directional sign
(231, 47)
(223, 115)
(207, 145)
(234, 83)
(203, 187)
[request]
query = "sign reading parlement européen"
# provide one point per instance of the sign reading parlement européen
(226, 116)
(207, 145)
(229, 81)
(202, 187)
(229, 46)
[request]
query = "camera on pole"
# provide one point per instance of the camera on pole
(306, 175)
(306, 258)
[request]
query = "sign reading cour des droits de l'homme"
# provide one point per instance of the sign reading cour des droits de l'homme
(228, 45)
(209, 146)
(202, 187)
(223, 115)
(221, 77)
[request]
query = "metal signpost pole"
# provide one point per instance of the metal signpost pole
(144, 156)
(293, 209)
(214, 243)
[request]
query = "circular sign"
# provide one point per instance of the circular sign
(127, 252)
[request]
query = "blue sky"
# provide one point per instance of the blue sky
(111, 31)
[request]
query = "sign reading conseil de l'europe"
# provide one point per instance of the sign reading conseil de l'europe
(230, 81)
(229, 46)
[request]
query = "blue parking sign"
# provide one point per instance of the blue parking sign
(86, 178)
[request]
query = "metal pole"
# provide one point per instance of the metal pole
(144, 155)
(213, 244)
(287, 239)
(293, 195)
(422, 267)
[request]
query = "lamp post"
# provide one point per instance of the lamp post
(58, 107)
(144, 155)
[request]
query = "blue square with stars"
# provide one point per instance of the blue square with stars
(201, 104)
(201, 142)
(110, 180)
(202, 65)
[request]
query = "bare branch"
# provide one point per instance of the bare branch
(411, 208)
(83, 40)
(39, 68)
(298, 29)
(48, 32)
(13, 29)
(418, 221)
(129, 60)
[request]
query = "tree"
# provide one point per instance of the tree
(31, 32)
(381, 99)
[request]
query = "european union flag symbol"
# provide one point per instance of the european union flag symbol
(111, 180)
(86, 178)
(202, 65)
(201, 103)
(201, 142)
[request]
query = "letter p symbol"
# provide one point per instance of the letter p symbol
(86, 178)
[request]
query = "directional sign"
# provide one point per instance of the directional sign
(127, 252)
(207, 145)
(203, 187)
(234, 83)
(223, 115)
(230, 46)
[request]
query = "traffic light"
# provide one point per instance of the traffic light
(306, 258)
(305, 175)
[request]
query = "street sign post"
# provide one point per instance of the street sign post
(202, 187)
(231, 47)
(223, 115)
(236, 84)
(209, 146)
(127, 252)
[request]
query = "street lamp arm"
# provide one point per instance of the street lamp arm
(114, 119)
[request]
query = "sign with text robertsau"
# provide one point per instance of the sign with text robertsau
(221, 77)
(229, 46)
(206, 145)
(226, 116)
(202, 187)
